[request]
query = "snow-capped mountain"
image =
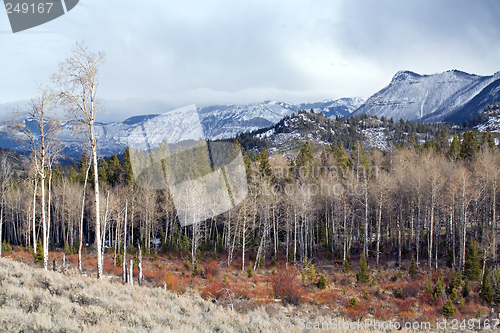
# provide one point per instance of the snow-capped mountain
(188, 123)
(220, 122)
(429, 98)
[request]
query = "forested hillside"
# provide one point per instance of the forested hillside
(322, 199)
(422, 200)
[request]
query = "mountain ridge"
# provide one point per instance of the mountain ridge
(211, 122)
(429, 98)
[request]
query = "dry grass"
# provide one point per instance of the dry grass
(32, 300)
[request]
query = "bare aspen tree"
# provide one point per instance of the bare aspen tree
(124, 277)
(103, 241)
(38, 111)
(5, 177)
(139, 267)
(81, 217)
(488, 173)
(434, 185)
(381, 189)
(78, 78)
(131, 272)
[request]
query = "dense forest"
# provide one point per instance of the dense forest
(423, 201)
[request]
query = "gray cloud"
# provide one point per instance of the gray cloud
(170, 54)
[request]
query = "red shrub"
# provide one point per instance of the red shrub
(216, 290)
(212, 269)
(405, 304)
(359, 311)
(242, 290)
(175, 283)
(383, 314)
(426, 299)
(286, 285)
(411, 290)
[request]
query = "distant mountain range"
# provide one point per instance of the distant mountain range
(451, 96)
(211, 122)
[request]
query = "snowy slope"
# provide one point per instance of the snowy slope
(189, 123)
(220, 122)
(412, 96)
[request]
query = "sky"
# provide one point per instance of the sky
(162, 55)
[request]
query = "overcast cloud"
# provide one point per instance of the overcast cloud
(167, 54)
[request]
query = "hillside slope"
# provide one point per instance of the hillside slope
(429, 98)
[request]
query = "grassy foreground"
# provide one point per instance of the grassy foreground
(33, 300)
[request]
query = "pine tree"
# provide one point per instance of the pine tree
(412, 271)
(362, 275)
(73, 176)
(82, 169)
(487, 140)
(129, 175)
(472, 267)
(115, 170)
(322, 282)
(470, 146)
(496, 299)
(451, 285)
(38, 256)
(346, 265)
(265, 167)
(448, 308)
(305, 158)
(465, 289)
(486, 292)
(454, 151)
(439, 287)
(311, 273)
(103, 171)
(56, 174)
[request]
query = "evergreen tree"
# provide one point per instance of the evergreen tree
(487, 140)
(439, 287)
(448, 308)
(454, 152)
(129, 176)
(38, 256)
(442, 144)
(186, 244)
(412, 271)
(73, 176)
(115, 170)
(305, 158)
(343, 160)
(265, 167)
(470, 146)
(465, 289)
(472, 267)
(346, 265)
(103, 171)
(497, 295)
(82, 168)
(56, 174)
(362, 275)
(322, 282)
(452, 285)
(485, 291)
